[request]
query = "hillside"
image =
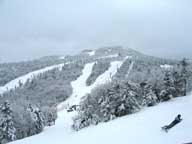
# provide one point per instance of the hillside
(67, 83)
(51, 84)
(143, 127)
(11, 74)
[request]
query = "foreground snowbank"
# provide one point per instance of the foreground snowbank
(140, 128)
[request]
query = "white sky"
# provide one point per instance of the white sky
(34, 28)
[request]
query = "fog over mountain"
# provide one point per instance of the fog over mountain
(35, 28)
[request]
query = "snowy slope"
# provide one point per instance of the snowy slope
(92, 53)
(140, 128)
(15, 83)
(166, 67)
(130, 69)
(109, 56)
(79, 85)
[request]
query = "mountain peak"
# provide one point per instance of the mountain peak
(123, 51)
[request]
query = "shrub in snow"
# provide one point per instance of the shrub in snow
(107, 102)
(7, 129)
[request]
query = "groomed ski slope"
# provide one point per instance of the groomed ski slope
(130, 69)
(140, 128)
(23, 79)
(143, 127)
(79, 86)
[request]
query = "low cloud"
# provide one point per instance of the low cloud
(33, 28)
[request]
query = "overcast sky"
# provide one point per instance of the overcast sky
(35, 28)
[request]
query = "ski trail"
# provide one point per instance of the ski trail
(79, 86)
(23, 79)
(80, 89)
(130, 69)
(62, 127)
(109, 56)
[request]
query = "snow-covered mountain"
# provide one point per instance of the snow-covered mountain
(67, 79)
(28, 77)
(143, 127)
(13, 74)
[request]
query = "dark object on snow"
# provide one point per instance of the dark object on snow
(176, 121)
(73, 108)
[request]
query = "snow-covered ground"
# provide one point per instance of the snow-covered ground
(130, 69)
(141, 128)
(166, 67)
(23, 79)
(92, 53)
(109, 56)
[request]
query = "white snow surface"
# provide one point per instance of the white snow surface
(23, 79)
(130, 69)
(141, 128)
(92, 53)
(109, 56)
(166, 66)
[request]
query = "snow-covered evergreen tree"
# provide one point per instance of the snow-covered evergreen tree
(178, 83)
(149, 96)
(169, 90)
(38, 119)
(107, 102)
(180, 78)
(184, 75)
(7, 129)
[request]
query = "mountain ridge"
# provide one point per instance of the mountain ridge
(70, 78)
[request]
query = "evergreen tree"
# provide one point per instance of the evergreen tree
(180, 77)
(107, 102)
(178, 83)
(7, 129)
(184, 76)
(38, 119)
(169, 90)
(149, 97)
